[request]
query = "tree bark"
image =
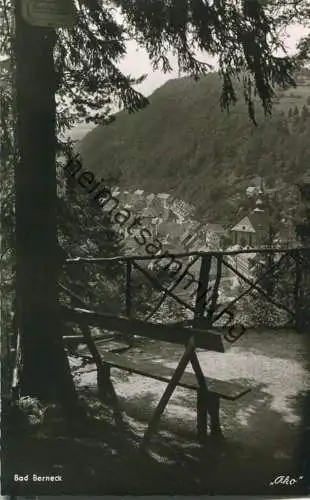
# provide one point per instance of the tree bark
(44, 367)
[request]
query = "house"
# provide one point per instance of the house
(194, 236)
(149, 199)
(199, 236)
(160, 204)
(170, 232)
(252, 229)
(215, 234)
(150, 220)
(182, 210)
(126, 197)
(138, 205)
(164, 197)
(243, 233)
(139, 192)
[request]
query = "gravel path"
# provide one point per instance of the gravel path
(262, 429)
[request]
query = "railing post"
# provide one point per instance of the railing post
(129, 338)
(202, 288)
(128, 288)
(297, 290)
(199, 320)
(215, 292)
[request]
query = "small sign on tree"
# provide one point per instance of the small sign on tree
(49, 13)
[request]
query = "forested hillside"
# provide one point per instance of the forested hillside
(184, 145)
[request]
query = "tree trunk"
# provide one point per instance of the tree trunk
(44, 368)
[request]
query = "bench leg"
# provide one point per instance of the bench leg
(202, 416)
(106, 390)
(214, 412)
(167, 394)
(103, 380)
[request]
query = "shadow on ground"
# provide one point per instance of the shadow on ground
(262, 442)
(102, 458)
(257, 447)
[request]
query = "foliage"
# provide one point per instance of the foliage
(242, 35)
(290, 304)
(86, 230)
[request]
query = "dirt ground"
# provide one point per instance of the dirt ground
(265, 432)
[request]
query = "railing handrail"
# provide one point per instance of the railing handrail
(125, 258)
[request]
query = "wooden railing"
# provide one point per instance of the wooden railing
(203, 302)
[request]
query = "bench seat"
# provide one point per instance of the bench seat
(226, 390)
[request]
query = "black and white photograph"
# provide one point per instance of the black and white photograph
(155, 248)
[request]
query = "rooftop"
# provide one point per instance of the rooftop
(216, 228)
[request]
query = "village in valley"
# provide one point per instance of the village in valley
(261, 221)
(172, 221)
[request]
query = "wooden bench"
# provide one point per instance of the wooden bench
(217, 389)
(209, 391)
(226, 390)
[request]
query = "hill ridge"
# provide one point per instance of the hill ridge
(184, 145)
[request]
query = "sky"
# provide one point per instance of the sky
(136, 63)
